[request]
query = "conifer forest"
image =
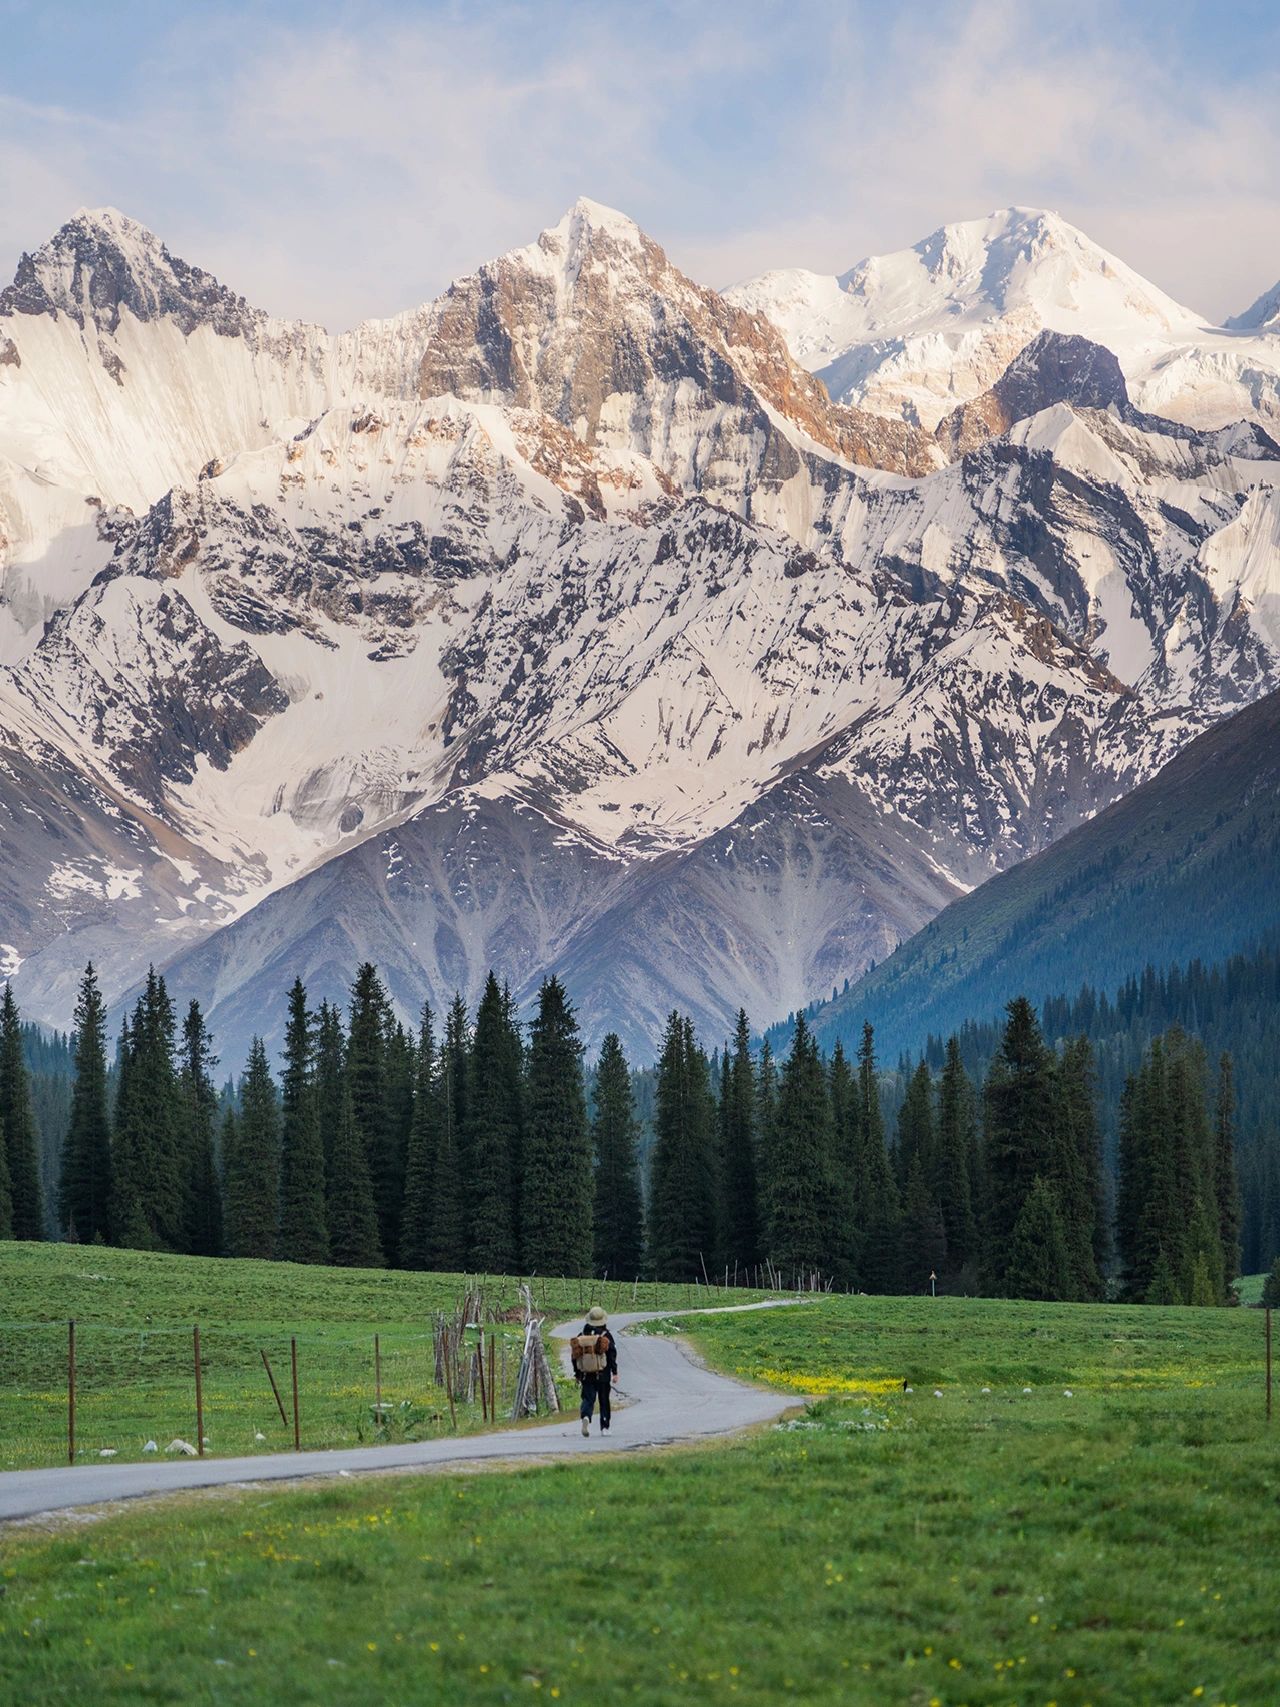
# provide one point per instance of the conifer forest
(478, 1142)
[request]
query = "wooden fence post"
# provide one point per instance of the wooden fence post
(199, 1394)
(1268, 1363)
(71, 1392)
(377, 1379)
(293, 1358)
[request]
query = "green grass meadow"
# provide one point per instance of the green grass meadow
(1114, 1546)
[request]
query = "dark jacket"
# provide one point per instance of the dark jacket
(605, 1334)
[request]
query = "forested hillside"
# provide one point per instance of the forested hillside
(1186, 867)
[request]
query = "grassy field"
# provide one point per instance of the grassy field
(1114, 1546)
(135, 1358)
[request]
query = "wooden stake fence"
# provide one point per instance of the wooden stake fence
(1268, 1363)
(195, 1332)
(71, 1392)
(297, 1429)
(275, 1390)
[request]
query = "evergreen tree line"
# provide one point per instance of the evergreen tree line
(471, 1145)
(1233, 1008)
(465, 1145)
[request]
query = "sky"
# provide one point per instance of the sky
(334, 161)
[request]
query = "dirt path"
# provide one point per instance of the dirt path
(663, 1397)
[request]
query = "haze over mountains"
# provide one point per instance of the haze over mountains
(567, 623)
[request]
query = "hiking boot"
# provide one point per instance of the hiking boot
(586, 1427)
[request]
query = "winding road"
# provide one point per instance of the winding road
(664, 1397)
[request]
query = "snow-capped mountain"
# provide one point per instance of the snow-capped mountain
(911, 335)
(565, 622)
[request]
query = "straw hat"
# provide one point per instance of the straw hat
(596, 1317)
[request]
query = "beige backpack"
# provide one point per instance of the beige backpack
(590, 1353)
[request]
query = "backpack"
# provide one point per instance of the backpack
(590, 1353)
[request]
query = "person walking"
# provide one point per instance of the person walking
(595, 1366)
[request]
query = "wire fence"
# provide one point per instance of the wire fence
(88, 1390)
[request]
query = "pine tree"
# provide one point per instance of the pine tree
(846, 1141)
(492, 1135)
(447, 1249)
(876, 1194)
(367, 1030)
(149, 1201)
(457, 1051)
(924, 1232)
(304, 1227)
(330, 1093)
(6, 1198)
(557, 1210)
(18, 1124)
(1226, 1182)
(799, 1187)
(421, 1153)
(1023, 1129)
(952, 1182)
(1092, 1244)
(739, 1166)
(619, 1228)
(682, 1209)
(916, 1139)
(84, 1195)
(127, 1216)
(198, 1113)
(353, 1217)
(1036, 1260)
(253, 1168)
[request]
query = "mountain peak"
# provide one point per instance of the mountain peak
(589, 215)
(101, 262)
(1261, 316)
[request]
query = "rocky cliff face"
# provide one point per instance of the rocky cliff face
(565, 623)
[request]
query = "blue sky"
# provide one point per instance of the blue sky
(336, 160)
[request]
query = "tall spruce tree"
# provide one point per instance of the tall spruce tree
(740, 1147)
(253, 1168)
(368, 1025)
(1168, 1220)
(924, 1232)
(421, 1154)
(1037, 1264)
(682, 1196)
(330, 1092)
(6, 1199)
(799, 1184)
(457, 1051)
(557, 1212)
(447, 1247)
(353, 1216)
(19, 1125)
(619, 1222)
(149, 1198)
(876, 1194)
(127, 1210)
(952, 1182)
(492, 1141)
(197, 1118)
(84, 1193)
(304, 1225)
(1022, 1129)
(1079, 1171)
(916, 1139)
(1226, 1180)
(846, 1162)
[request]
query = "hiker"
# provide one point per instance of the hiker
(595, 1365)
